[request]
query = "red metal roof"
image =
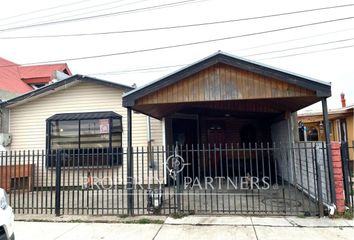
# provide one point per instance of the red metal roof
(16, 78)
(41, 73)
(10, 79)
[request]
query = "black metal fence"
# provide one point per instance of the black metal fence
(267, 179)
(347, 153)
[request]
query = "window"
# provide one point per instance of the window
(312, 134)
(84, 139)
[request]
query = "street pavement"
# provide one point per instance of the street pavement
(191, 227)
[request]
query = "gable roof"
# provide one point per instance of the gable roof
(15, 78)
(10, 79)
(62, 83)
(322, 89)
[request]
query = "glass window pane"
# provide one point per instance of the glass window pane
(86, 142)
(94, 133)
(65, 134)
(117, 132)
(117, 125)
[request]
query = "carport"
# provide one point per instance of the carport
(225, 105)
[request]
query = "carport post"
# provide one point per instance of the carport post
(130, 199)
(328, 149)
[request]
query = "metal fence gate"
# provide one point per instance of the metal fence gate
(257, 179)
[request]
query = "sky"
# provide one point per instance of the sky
(321, 51)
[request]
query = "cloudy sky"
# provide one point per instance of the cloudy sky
(138, 40)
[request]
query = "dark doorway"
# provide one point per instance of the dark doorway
(185, 131)
(343, 130)
(185, 137)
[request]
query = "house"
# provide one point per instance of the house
(227, 111)
(225, 99)
(16, 79)
(221, 122)
(75, 115)
(341, 125)
(32, 118)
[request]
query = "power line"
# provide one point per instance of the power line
(43, 9)
(138, 70)
(182, 65)
(269, 52)
(167, 5)
(291, 40)
(192, 43)
(100, 10)
(168, 27)
(75, 10)
(295, 48)
(310, 52)
(188, 44)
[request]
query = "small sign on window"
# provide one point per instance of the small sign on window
(104, 125)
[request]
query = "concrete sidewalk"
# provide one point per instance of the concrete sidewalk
(191, 227)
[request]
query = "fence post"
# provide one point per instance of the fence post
(130, 199)
(57, 182)
(346, 174)
(329, 151)
(178, 184)
(319, 185)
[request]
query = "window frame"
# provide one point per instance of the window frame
(88, 116)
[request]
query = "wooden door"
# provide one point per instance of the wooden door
(216, 139)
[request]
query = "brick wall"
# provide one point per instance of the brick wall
(338, 177)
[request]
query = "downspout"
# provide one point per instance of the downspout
(149, 129)
(151, 164)
(130, 199)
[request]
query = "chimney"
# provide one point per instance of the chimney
(342, 98)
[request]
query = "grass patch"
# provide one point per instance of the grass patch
(348, 214)
(177, 215)
(145, 221)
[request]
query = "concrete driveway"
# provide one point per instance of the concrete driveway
(193, 227)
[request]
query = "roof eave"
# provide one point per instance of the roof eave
(42, 90)
(322, 89)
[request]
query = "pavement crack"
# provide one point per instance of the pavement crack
(254, 229)
(294, 224)
(75, 226)
(158, 231)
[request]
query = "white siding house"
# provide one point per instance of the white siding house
(24, 119)
(27, 116)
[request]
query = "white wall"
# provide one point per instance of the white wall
(28, 120)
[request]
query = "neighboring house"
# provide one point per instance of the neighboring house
(341, 121)
(16, 79)
(34, 118)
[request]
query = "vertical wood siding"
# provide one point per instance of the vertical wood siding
(222, 82)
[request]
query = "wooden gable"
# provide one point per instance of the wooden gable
(221, 83)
